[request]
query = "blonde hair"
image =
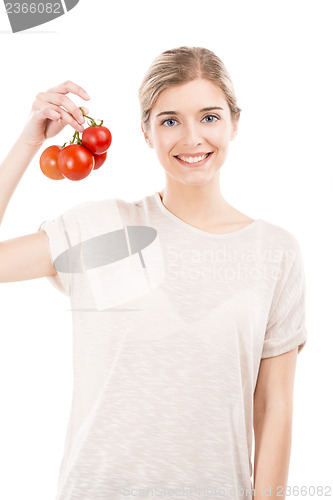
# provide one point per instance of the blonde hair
(182, 65)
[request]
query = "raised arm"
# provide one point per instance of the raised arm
(28, 256)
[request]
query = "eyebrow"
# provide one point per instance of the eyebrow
(176, 113)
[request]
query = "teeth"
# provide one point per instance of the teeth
(193, 159)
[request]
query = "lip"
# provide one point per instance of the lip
(194, 164)
(199, 153)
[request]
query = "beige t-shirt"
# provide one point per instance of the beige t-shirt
(170, 323)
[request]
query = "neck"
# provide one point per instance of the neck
(196, 205)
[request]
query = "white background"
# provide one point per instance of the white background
(279, 168)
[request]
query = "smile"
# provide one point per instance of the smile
(193, 160)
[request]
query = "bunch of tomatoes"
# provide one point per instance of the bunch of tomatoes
(82, 155)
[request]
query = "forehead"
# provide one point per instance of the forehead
(191, 96)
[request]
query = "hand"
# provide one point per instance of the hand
(52, 111)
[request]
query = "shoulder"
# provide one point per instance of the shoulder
(114, 204)
(93, 209)
(279, 236)
(101, 216)
(281, 246)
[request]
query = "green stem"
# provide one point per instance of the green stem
(86, 116)
(76, 137)
(92, 121)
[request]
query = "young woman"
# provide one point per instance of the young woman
(187, 314)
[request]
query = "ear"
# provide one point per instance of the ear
(234, 130)
(146, 137)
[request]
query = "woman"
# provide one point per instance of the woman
(187, 314)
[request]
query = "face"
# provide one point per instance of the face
(181, 127)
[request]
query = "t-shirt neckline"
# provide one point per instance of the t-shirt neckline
(196, 230)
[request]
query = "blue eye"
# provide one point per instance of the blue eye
(213, 116)
(168, 120)
(173, 119)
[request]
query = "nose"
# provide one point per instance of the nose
(191, 135)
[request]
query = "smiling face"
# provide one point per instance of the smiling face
(187, 121)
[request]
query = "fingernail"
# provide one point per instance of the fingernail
(87, 95)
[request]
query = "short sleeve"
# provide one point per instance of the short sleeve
(286, 328)
(63, 234)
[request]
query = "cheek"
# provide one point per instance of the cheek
(218, 137)
(164, 142)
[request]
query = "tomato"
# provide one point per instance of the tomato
(97, 139)
(99, 160)
(48, 163)
(75, 162)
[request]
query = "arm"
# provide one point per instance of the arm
(47, 119)
(272, 420)
(12, 170)
(28, 256)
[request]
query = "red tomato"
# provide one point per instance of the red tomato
(99, 160)
(97, 139)
(76, 162)
(48, 163)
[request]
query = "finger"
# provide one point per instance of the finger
(64, 102)
(48, 113)
(67, 119)
(62, 114)
(40, 103)
(70, 86)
